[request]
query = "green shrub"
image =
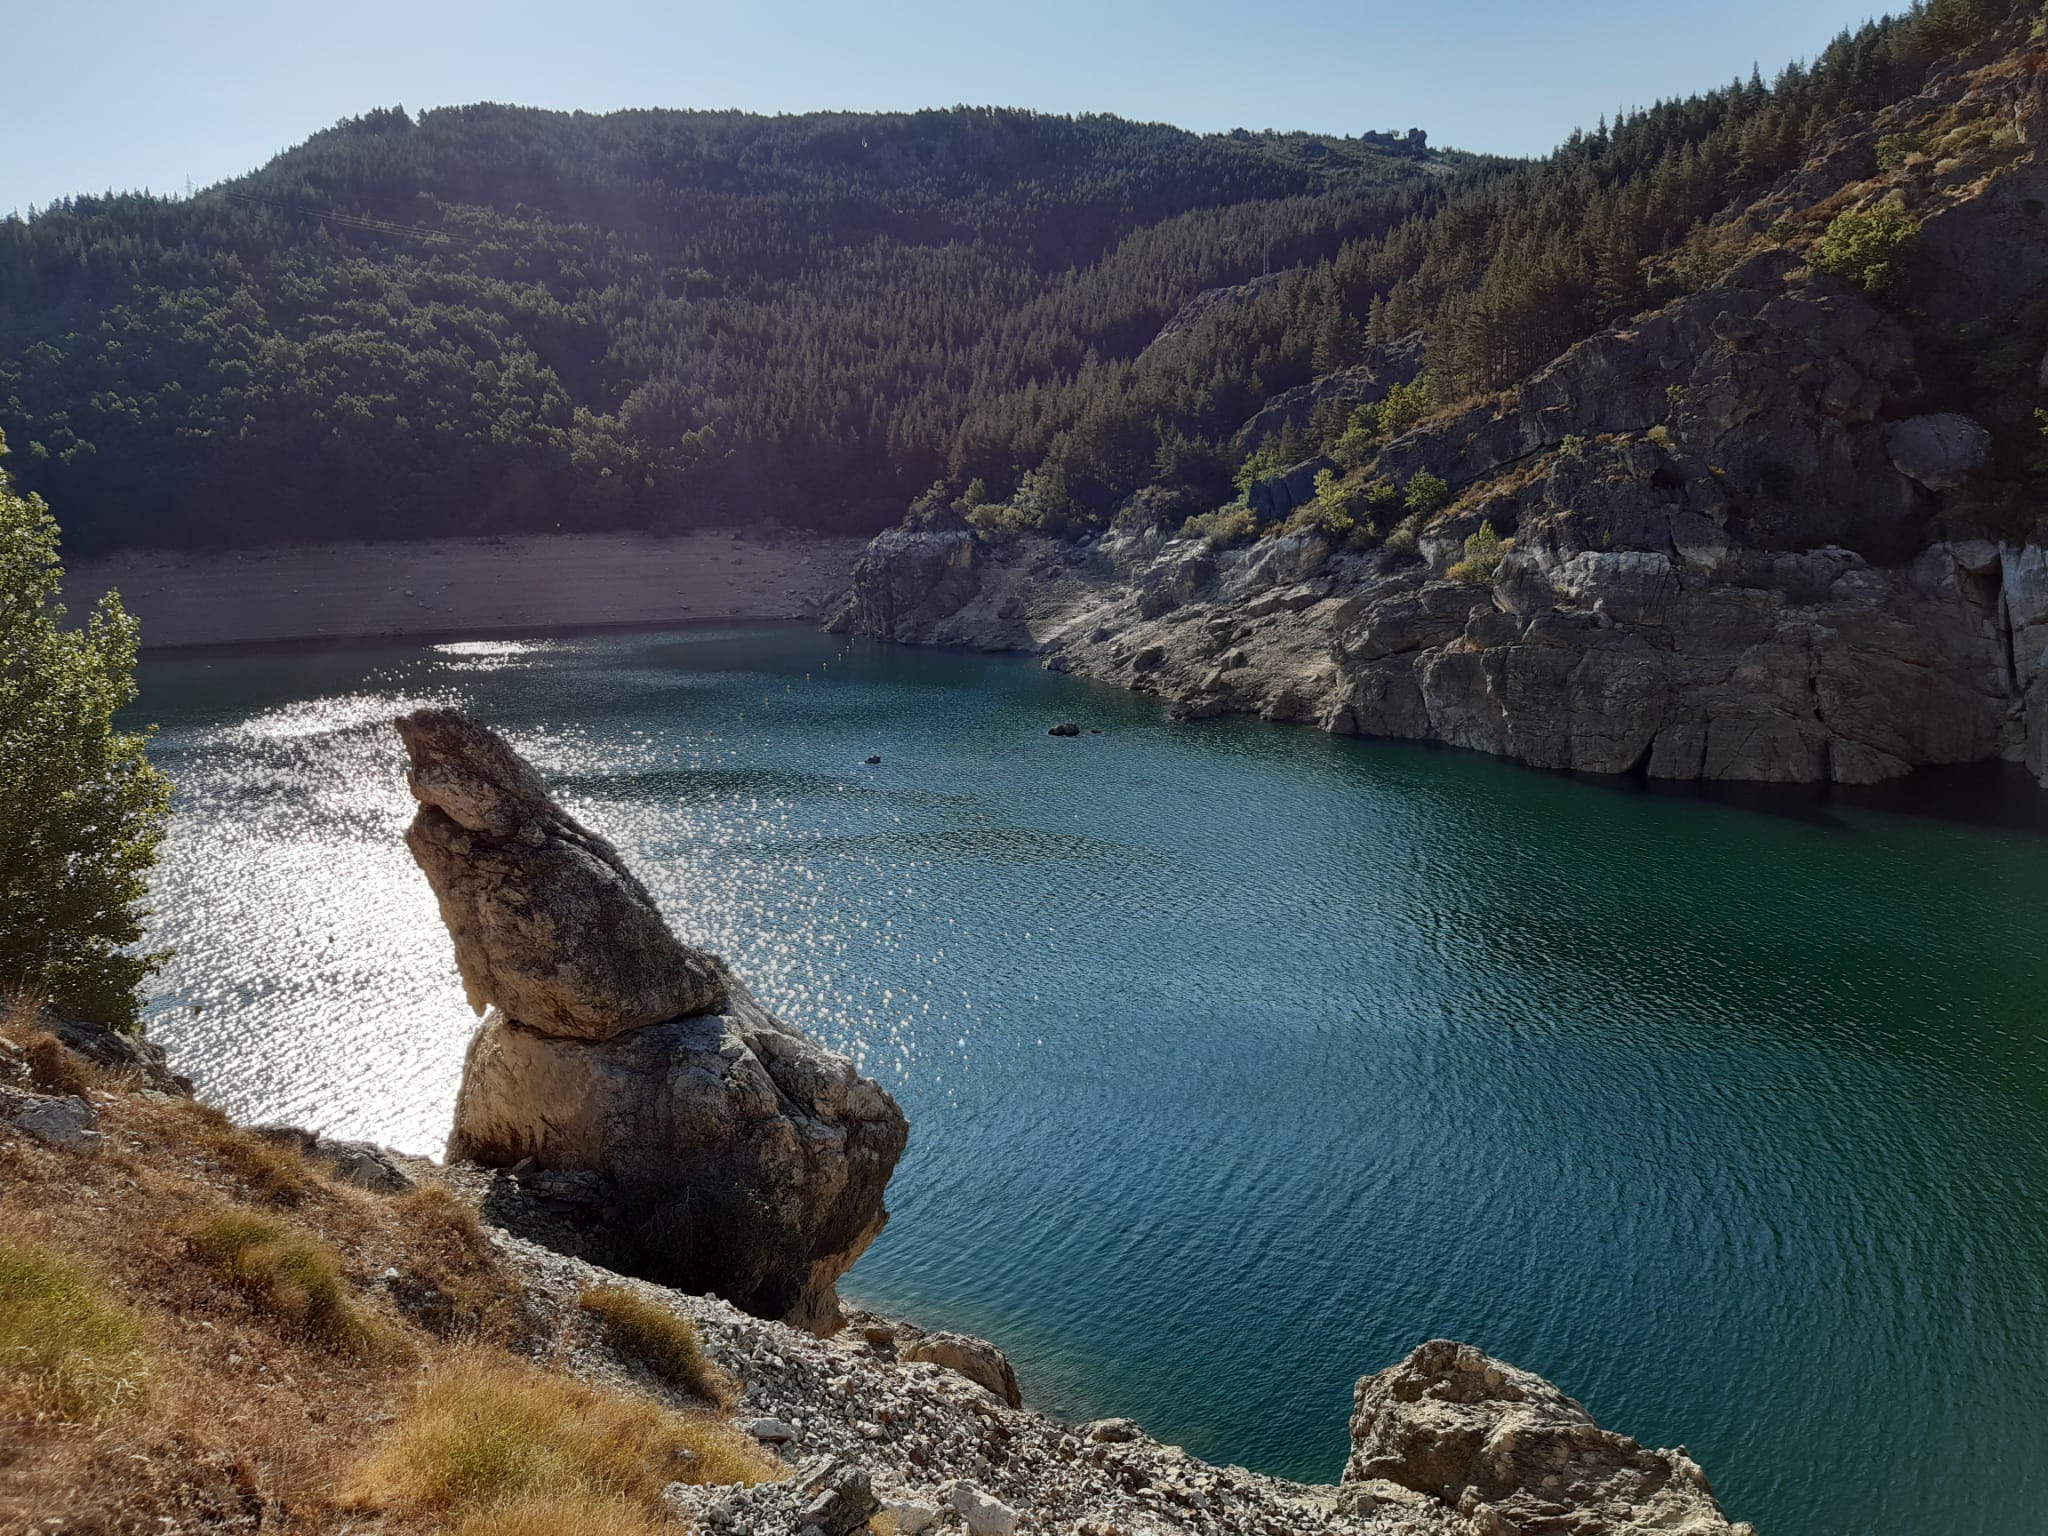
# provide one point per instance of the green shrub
(1268, 460)
(1894, 149)
(1572, 446)
(665, 1343)
(294, 1277)
(1227, 525)
(1426, 493)
(1484, 551)
(1404, 539)
(1868, 247)
(67, 1346)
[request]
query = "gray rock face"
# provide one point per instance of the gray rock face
(548, 922)
(1274, 497)
(733, 1154)
(1940, 451)
(1508, 1449)
(130, 1055)
(68, 1123)
(911, 578)
(1745, 592)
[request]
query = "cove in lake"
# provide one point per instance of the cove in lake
(1239, 1059)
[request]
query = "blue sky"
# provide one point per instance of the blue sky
(112, 93)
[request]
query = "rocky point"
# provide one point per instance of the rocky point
(719, 1149)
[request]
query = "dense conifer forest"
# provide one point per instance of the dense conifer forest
(488, 319)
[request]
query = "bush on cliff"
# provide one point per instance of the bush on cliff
(84, 808)
(1484, 551)
(1868, 247)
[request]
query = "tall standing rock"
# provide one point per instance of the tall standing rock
(741, 1157)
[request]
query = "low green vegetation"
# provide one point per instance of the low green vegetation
(1426, 494)
(1227, 525)
(291, 1276)
(1868, 247)
(1895, 149)
(66, 1347)
(1484, 551)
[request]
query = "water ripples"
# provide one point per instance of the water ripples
(1240, 1059)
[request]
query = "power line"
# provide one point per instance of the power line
(354, 221)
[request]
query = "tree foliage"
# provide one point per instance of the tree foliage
(486, 319)
(84, 808)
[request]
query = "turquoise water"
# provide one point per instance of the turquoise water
(1240, 1059)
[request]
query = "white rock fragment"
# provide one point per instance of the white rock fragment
(985, 1515)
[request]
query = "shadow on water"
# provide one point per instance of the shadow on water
(1996, 796)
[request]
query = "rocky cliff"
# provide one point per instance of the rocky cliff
(720, 1149)
(1764, 532)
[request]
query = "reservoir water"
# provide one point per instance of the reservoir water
(1240, 1059)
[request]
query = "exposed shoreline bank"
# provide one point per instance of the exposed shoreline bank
(463, 588)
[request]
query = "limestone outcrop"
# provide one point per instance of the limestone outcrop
(1775, 530)
(548, 922)
(733, 1153)
(1506, 1448)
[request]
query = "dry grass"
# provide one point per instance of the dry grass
(650, 1333)
(287, 1322)
(544, 1515)
(54, 1069)
(66, 1346)
(451, 1280)
(293, 1277)
(269, 1171)
(484, 1430)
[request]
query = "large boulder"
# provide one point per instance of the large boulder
(734, 1154)
(912, 578)
(1510, 1450)
(978, 1360)
(1940, 451)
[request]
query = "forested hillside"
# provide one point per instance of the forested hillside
(490, 318)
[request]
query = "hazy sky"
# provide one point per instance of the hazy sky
(108, 93)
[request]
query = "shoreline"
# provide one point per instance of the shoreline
(455, 589)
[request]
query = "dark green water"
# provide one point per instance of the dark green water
(1240, 1059)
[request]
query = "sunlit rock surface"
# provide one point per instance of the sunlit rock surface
(734, 1154)
(1508, 1449)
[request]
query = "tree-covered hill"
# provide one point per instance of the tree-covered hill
(490, 318)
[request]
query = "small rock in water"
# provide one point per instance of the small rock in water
(1065, 728)
(873, 758)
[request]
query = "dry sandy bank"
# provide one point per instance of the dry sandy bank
(463, 586)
